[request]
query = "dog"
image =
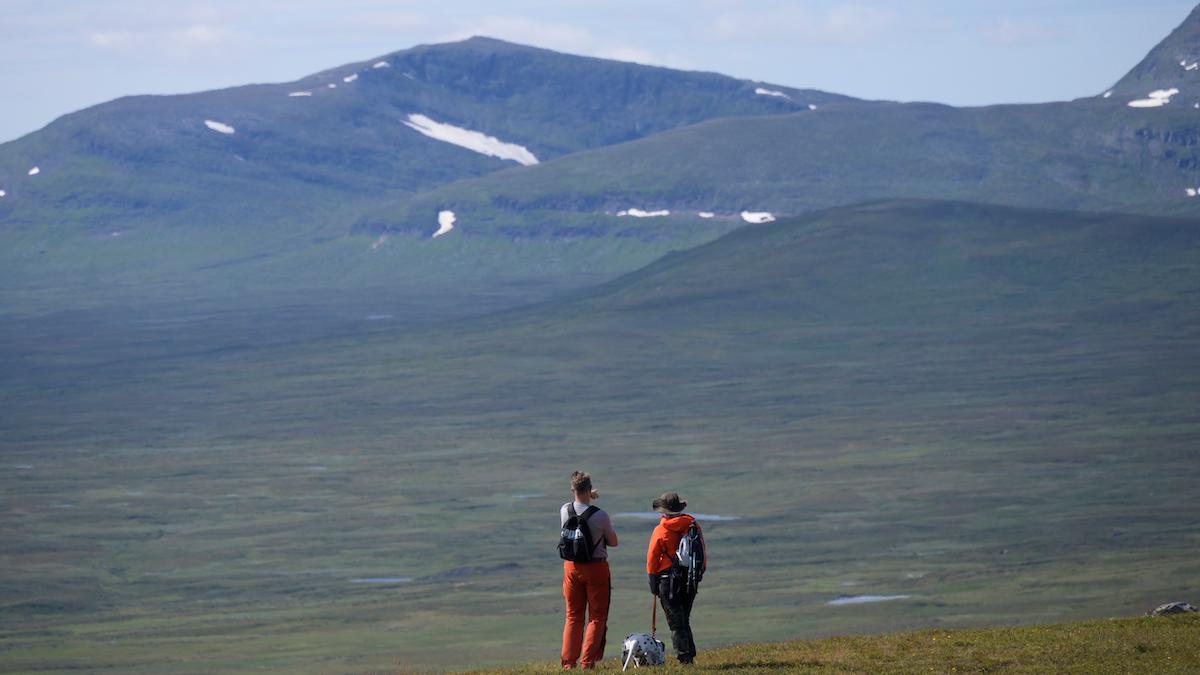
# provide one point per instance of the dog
(641, 649)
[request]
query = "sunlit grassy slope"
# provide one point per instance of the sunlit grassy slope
(1142, 645)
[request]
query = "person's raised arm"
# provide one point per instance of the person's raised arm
(610, 535)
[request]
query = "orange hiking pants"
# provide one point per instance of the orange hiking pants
(587, 587)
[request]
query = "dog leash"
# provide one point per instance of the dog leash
(653, 615)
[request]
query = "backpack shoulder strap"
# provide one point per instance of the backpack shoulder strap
(587, 513)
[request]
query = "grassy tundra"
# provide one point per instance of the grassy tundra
(990, 411)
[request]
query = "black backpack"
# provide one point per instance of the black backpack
(575, 540)
(688, 563)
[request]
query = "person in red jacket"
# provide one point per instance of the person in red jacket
(667, 578)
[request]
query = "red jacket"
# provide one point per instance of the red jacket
(665, 540)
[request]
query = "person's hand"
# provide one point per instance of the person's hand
(653, 584)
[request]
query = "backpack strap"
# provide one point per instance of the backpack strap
(587, 513)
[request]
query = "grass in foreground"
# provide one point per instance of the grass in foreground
(1141, 645)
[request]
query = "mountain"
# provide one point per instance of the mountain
(1173, 64)
(359, 129)
(155, 191)
(581, 169)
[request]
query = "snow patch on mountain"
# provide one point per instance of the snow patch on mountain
(350, 78)
(1108, 94)
(332, 85)
(1191, 192)
(706, 214)
(3, 194)
(219, 127)
(757, 217)
(34, 171)
(770, 92)
(300, 93)
(1156, 99)
(812, 106)
(381, 64)
(471, 140)
(445, 223)
(639, 213)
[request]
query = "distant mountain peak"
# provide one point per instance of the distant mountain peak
(1173, 63)
(483, 43)
(489, 40)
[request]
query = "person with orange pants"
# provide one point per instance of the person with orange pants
(587, 584)
(667, 579)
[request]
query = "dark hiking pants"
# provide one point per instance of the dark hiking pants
(678, 608)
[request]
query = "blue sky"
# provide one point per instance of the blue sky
(63, 55)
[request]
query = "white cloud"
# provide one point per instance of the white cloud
(1006, 32)
(560, 36)
(857, 24)
(384, 20)
(634, 54)
(549, 34)
(171, 41)
(843, 24)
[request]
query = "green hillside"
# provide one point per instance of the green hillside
(1090, 154)
(140, 192)
(1144, 645)
(987, 410)
(154, 157)
(138, 201)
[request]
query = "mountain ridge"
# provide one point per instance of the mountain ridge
(1172, 63)
(343, 128)
(339, 184)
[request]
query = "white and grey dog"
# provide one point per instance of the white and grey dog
(641, 649)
